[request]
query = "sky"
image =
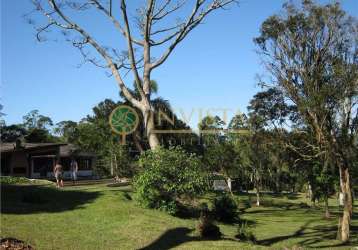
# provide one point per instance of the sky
(215, 68)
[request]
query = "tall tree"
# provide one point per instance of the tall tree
(34, 119)
(311, 53)
(142, 55)
(38, 127)
(67, 130)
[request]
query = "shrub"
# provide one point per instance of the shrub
(166, 175)
(225, 208)
(206, 227)
(246, 204)
(12, 180)
(245, 234)
(171, 207)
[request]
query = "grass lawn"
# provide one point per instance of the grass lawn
(102, 217)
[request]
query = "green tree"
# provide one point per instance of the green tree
(119, 160)
(34, 119)
(12, 132)
(67, 130)
(38, 127)
(222, 158)
(311, 54)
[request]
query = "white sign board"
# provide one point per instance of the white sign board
(220, 185)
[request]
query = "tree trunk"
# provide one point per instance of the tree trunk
(343, 230)
(327, 214)
(229, 185)
(112, 169)
(148, 116)
(310, 192)
(116, 165)
(278, 184)
(137, 142)
(341, 199)
(257, 197)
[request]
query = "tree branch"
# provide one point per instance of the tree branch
(100, 50)
(190, 24)
(116, 23)
(131, 50)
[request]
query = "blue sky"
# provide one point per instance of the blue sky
(214, 68)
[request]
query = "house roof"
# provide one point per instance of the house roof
(11, 146)
(64, 148)
(70, 149)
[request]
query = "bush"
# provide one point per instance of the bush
(225, 208)
(12, 180)
(245, 234)
(168, 174)
(171, 207)
(246, 204)
(206, 227)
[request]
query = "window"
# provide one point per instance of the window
(84, 164)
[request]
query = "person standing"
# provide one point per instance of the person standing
(58, 172)
(74, 170)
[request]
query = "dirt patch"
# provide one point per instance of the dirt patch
(14, 244)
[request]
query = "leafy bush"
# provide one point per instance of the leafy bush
(171, 207)
(246, 204)
(206, 227)
(11, 180)
(225, 208)
(245, 234)
(168, 174)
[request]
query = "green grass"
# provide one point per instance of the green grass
(101, 217)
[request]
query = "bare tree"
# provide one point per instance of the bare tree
(148, 33)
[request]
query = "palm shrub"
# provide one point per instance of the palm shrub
(167, 175)
(206, 226)
(225, 208)
(245, 234)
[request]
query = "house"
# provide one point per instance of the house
(36, 160)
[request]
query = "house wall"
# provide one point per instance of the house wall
(5, 163)
(19, 164)
(66, 173)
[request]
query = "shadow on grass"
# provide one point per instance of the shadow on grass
(289, 196)
(175, 237)
(172, 238)
(316, 237)
(274, 240)
(16, 199)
